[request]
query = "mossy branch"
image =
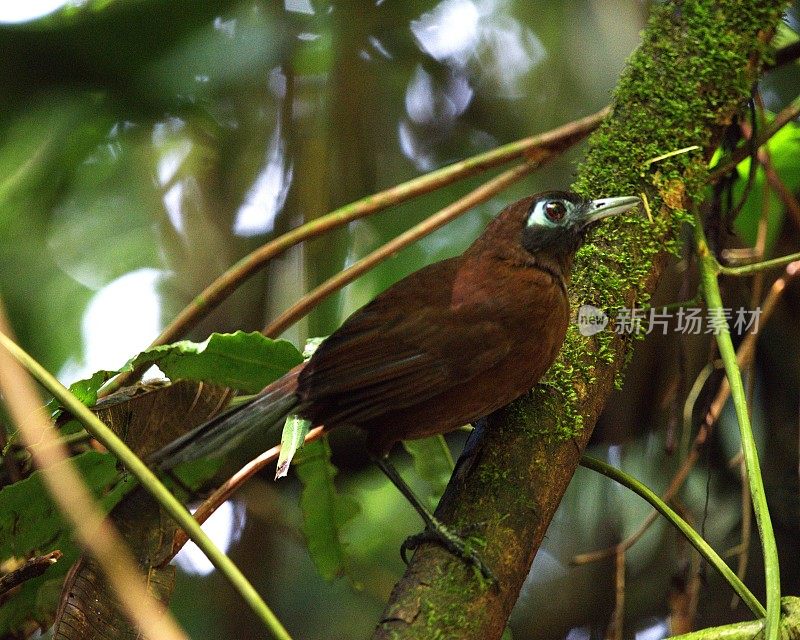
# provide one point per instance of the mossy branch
(682, 87)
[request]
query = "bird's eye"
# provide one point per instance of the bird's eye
(548, 212)
(555, 210)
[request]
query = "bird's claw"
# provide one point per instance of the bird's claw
(454, 544)
(412, 542)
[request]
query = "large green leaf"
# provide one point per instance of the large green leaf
(325, 512)
(244, 361)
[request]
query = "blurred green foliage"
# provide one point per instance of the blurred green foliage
(785, 161)
(167, 139)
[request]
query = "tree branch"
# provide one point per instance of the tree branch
(694, 69)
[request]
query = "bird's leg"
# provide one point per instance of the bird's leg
(469, 455)
(435, 531)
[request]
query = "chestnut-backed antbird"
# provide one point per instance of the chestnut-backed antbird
(445, 346)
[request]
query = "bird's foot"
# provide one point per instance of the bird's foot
(439, 534)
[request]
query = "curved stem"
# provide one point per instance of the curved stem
(713, 298)
(684, 527)
(749, 269)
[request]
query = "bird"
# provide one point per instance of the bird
(443, 347)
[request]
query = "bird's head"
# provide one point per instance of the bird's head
(556, 221)
(547, 228)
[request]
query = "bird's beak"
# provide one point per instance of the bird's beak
(604, 207)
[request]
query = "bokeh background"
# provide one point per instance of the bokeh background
(146, 145)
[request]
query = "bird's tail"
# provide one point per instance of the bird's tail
(224, 432)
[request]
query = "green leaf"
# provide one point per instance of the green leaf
(85, 390)
(244, 361)
(294, 432)
(31, 524)
(432, 462)
(325, 512)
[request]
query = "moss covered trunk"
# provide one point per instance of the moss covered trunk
(691, 75)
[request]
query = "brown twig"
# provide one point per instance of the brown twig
(531, 147)
(614, 630)
(744, 356)
(426, 227)
(225, 491)
(32, 568)
(95, 533)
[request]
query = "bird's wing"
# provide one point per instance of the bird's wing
(404, 347)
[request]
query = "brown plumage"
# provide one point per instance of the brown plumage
(446, 345)
(450, 343)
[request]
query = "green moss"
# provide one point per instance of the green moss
(669, 97)
(448, 619)
(491, 475)
(444, 623)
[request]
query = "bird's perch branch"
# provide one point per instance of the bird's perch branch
(692, 73)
